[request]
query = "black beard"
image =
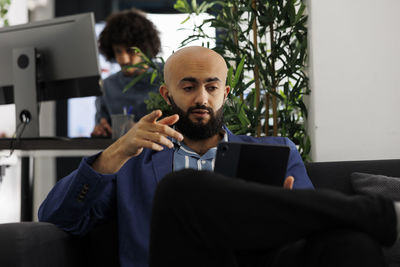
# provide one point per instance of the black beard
(198, 130)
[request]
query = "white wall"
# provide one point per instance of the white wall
(355, 57)
(18, 12)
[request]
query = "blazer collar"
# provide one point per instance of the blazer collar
(232, 137)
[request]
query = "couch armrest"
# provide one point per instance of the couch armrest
(37, 244)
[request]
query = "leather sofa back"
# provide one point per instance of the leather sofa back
(336, 175)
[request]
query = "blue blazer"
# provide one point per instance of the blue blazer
(84, 197)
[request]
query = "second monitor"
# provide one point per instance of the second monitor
(47, 60)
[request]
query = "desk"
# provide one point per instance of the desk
(55, 143)
(29, 148)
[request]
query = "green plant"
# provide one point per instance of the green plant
(4, 6)
(267, 96)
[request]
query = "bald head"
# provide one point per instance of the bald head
(188, 61)
(195, 87)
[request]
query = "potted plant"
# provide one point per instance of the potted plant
(4, 6)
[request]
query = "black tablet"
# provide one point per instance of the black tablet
(262, 163)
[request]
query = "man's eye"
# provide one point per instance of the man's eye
(188, 88)
(212, 88)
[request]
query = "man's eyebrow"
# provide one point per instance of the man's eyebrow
(194, 80)
(212, 79)
(188, 79)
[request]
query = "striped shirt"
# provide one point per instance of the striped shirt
(186, 158)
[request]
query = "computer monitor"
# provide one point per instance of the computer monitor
(47, 60)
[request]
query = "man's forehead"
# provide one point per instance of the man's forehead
(198, 67)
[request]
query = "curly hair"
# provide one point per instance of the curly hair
(129, 28)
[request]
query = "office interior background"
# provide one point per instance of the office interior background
(353, 68)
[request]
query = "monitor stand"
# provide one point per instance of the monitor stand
(25, 92)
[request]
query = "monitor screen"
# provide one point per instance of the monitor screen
(48, 60)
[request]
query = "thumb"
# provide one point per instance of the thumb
(288, 183)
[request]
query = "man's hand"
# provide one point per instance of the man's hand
(150, 133)
(102, 128)
(146, 133)
(288, 183)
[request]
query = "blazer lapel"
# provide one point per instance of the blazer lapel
(232, 137)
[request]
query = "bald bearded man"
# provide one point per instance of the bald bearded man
(120, 183)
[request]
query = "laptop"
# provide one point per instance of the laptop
(255, 162)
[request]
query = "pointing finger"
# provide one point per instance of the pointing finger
(169, 120)
(153, 116)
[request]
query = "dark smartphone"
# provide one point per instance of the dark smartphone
(256, 162)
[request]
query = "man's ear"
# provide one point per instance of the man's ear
(165, 93)
(226, 93)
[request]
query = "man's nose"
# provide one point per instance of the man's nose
(201, 96)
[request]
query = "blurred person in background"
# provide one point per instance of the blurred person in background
(124, 31)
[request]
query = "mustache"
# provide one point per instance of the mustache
(210, 110)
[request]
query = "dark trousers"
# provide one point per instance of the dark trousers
(205, 219)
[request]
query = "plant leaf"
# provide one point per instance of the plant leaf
(134, 81)
(238, 72)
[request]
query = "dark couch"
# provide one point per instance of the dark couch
(42, 244)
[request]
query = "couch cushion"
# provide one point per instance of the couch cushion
(365, 183)
(37, 244)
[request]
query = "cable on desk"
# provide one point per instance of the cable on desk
(17, 136)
